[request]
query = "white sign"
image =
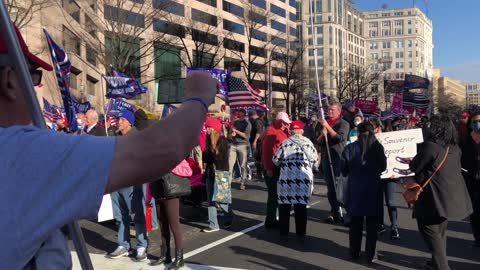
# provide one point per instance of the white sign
(106, 209)
(400, 148)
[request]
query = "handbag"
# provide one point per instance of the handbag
(170, 186)
(341, 189)
(222, 191)
(413, 189)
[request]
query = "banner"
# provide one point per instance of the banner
(400, 148)
(81, 107)
(218, 74)
(393, 86)
(414, 82)
(397, 101)
(62, 67)
(121, 86)
(114, 107)
(366, 106)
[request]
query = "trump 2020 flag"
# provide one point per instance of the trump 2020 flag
(62, 67)
(115, 105)
(122, 86)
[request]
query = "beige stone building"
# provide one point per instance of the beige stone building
(340, 41)
(448, 87)
(79, 25)
(473, 93)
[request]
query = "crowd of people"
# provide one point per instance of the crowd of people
(135, 158)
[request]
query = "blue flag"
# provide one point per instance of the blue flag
(115, 105)
(62, 67)
(121, 86)
(81, 107)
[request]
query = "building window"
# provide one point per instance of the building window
(279, 42)
(259, 3)
(204, 17)
(386, 23)
(399, 55)
(233, 45)
(233, 27)
(293, 16)
(71, 42)
(410, 31)
(124, 16)
(170, 6)
(257, 18)
(278, 26)
(203, 37)
(72, 8)
(113, 51)
(91, 55)
(386, 44)
(232, 8)
(373, 46)
(386, 33)
(169, 28)
(258, 68)
(256, 34)
(90, 26)
(212, 3)
(398, 23)
(203, 59)
(279, 72)
(410, 64)
(232, 64)
(398, 32)
(293, 31)
(410, 43)
(92, 84)
(399, 65)
(168, 65)
(277, 10)
(258, 51)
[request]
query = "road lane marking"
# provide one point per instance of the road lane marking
(230, 237)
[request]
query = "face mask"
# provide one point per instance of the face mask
(356, 123)
(314, 119)
(79, 123)
(476, 126)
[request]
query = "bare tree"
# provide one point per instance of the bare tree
(356, 81)
(449, 105)
(23, 11)
(115, 31)
(289, 67)
(254, 20)
(203, 33)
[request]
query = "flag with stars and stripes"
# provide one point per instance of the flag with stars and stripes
(242, 94)
(50, 113)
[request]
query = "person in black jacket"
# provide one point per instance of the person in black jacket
(92, 122)
(471, 164)
(336, 130)
(446, 196)
(363, 162)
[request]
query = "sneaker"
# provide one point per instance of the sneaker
(118, 253)
(372, 260)
(141, 254)
(394, 235)
(210, 230)
(381, 229)
(330, 219)
(242, 187)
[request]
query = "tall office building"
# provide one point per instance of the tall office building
(473, 93)
(83, 28)
(340, 41)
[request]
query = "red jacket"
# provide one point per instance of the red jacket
(271, 140)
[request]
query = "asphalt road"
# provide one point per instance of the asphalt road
(247, 245)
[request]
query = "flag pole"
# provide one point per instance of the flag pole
(319, 91)
(103, 102)
(20, 65)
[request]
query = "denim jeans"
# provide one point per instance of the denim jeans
(238, 151)
(389, 192)
(125, 202)
(212, 208)
(330, 181)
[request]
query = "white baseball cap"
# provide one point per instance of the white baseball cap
(283, 116)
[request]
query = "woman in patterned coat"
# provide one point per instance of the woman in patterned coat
(295, 157)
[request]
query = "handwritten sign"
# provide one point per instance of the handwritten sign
(400, 147)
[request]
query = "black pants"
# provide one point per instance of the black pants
(300, 218)
(272, 200)
(356, 229)
(475, 217)
(434, 233)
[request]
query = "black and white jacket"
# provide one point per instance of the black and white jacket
(295, 156)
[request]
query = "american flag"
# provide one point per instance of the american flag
(244, 95)
(50, 112)
(417, 100)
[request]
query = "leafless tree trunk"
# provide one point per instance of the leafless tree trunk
(356, 81)
(23, 11)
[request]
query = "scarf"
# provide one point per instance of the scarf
(331, 121)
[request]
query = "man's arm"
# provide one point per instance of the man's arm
(146, 156)
(245, 134)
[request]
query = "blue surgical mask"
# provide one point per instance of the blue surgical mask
(476, 126)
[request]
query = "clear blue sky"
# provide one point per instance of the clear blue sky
(456, 33)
